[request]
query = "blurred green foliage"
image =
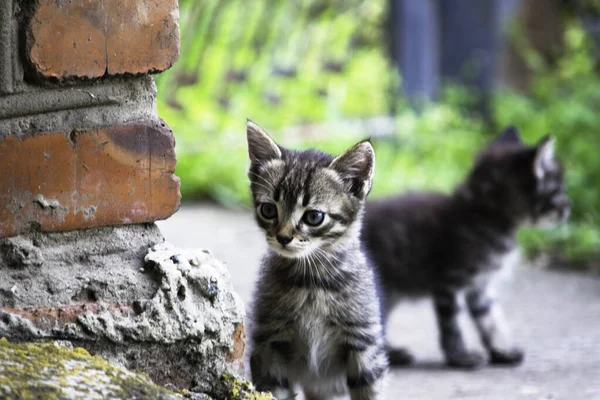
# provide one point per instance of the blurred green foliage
(328, 65)
(564, 101)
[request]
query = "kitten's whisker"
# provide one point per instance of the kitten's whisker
(270, 189)
(335, 258)
(264, 180)
(324, 267)
(327, 256)
(312, 269)
(318, 267)
(326, 261)
(302, 268)
(329, 268)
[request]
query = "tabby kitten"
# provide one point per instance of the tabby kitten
(452, 246)
(315, 321)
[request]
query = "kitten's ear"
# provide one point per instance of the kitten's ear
(356, 167)
(261, 147)
(544, 156)
(510, 134)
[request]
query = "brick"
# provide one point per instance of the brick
(92, 38)
(49, 318)
(100, 177)
(239, 344)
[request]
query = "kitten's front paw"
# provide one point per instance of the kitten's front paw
(466, 360)
(512, 357)
(399, 357)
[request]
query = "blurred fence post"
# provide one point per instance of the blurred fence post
(469, 45)
(414, 40)
(448, 40)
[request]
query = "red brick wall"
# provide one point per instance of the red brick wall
(80, 142)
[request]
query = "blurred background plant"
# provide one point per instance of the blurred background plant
(316, 73)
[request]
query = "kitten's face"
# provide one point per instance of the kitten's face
(527, 181)
(306, 201)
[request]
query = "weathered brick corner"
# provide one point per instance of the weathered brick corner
(86, 167)
(77, 154)
(87, 178)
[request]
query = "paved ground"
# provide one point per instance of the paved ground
(555, 316)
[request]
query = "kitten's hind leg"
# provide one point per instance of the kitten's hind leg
(367, 369)
(447, 310)
(399, 356)
(261, 377)
(488, 317)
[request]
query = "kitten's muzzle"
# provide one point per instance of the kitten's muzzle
(556, 208)
(284, 239)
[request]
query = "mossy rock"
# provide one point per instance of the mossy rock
(49, 371)
(239, 389)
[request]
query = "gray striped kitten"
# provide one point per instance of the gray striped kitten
(315, 321)
(452, 246)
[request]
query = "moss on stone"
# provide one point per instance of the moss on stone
(239, 389)
(56, 371)
(48, 371)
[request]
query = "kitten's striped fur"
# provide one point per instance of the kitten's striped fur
(452, 246)
(315, 321)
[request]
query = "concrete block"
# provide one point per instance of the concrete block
(115, 101)
(169, 312)
(87, 178)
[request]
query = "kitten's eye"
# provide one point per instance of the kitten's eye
(313, 217)
(268, 210)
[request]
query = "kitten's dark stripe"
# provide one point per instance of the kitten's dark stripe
(278, 185)
(277, 193)
(339, 218)
(273, 317)
(307, 182)
(312, 280)
(320, 231)
(270, 327)
(355, 347)
(351, 324)
(366, 377)
(292, 274)
(333, 235)
(360, 338)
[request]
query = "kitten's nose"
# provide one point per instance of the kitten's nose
(284, 239)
